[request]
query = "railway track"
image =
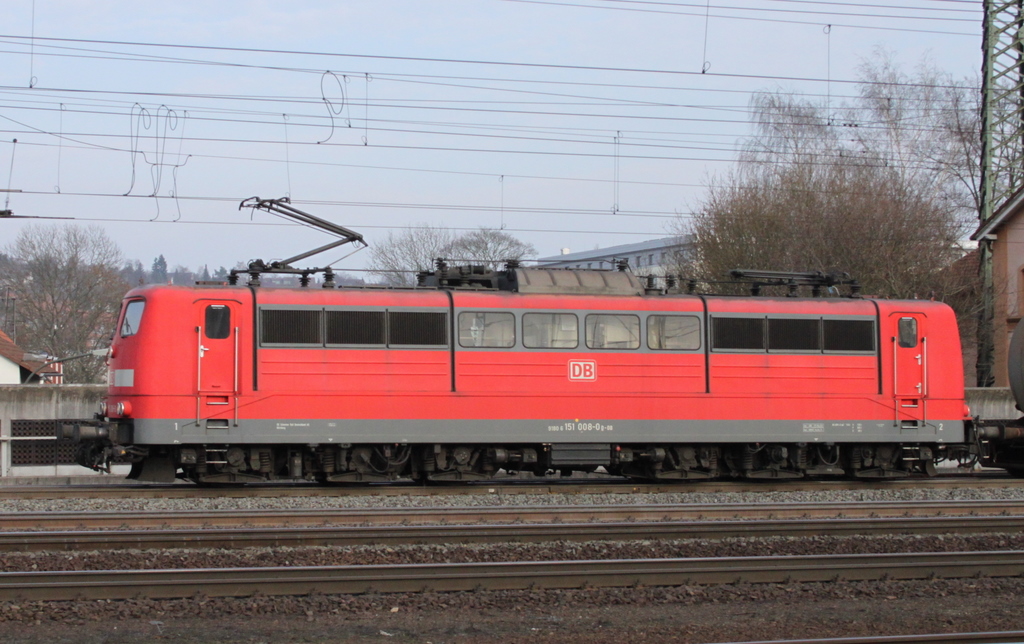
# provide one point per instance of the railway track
(467, 534)
(501, 514)
(241, 582)
(497, 487)
(1004, 637)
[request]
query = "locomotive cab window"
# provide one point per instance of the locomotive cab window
(486, 329)
(613, 332)
(550, 331)
(907, 331)
(673, 332)
(132, 318)
(218, 322)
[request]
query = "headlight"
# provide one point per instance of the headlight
(123, 409)
(103, 408)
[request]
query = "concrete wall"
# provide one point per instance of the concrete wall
(43, 402)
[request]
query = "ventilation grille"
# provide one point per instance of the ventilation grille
(355, 327)
(417, 329)
(794, 335)
(290, 327)
(849, 335)
(738, 333)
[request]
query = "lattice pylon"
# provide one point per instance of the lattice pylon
(1002, 103)
(1002, 147)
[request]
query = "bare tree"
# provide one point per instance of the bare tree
(69, 288)
(884, 188)
(397, 258)
(490, 247)
(400, 256)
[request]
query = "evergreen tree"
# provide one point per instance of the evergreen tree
(158, 274)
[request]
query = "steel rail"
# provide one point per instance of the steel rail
(501, 514)
(464, 534)
(1000, 637)
(499, 486)
(240, 582)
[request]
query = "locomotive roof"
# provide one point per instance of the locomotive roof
(547, 295)
(536, 281)
(577, 282)
(526, 281)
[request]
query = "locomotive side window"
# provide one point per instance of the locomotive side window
(794, 334)
(132, 318)
(356, 327)
(415, 328)
(613, 332)
(907, 333)
(849, 335)
(218, 322)
(550, 331)
(487, 329)
(738, 333)
(673, 332)
(278, 326)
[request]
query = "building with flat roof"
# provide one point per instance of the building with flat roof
(651, 257)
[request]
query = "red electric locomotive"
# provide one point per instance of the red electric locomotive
(540, 370)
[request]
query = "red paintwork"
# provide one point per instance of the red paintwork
(511, 384)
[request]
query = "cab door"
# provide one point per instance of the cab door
(216, 362)
(910, 360)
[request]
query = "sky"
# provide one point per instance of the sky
(568, 123)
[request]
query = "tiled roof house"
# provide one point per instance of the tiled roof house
(14, 368)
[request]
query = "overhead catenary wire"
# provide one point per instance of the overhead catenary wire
(319, 120)
(806, 11)
(823, 159)
(433, 79)
(499, 121)
(598, 134)
(540, 211)
(536, 177)
(747, 18)
(449, 207)
(427, 59)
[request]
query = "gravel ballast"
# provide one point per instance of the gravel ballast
(735, 612)
(687, 495)
(732, 613)
(180, 558)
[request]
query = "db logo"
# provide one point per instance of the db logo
(582, 370)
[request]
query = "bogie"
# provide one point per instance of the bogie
(468, 462)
